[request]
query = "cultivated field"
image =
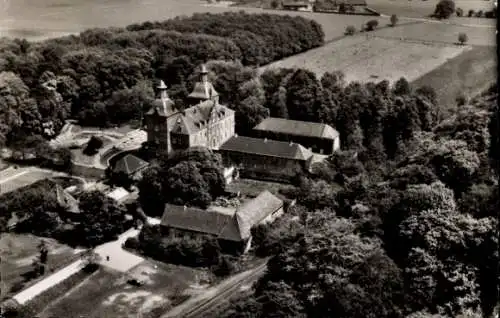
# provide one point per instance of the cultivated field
(107, 294)
(364, 58)
(419, 8)
(468, 74)
(18, 251)
(442, 33)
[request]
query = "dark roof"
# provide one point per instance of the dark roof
(296, 3)
(203, 90)
(254, 211)
(350, 2)
(129, 164)
(222, 225)
(266, 147)
(197, 117)
(163, 107)
(297, 128)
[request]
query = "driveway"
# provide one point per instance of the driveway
(119, 259)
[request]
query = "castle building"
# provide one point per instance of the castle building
(205, 123)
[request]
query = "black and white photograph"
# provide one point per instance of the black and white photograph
(249, 159)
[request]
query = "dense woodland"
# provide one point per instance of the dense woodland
(401, 223)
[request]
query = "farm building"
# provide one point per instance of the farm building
(317, 137)
(231, 226)
(265, 158)
(298, 5)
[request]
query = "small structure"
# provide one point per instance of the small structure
(317, 137)
(232, 227)
(264, 158)
(298, 5)
(131, 166)
(69, 205)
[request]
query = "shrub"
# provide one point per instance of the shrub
(444, 9)
(350, 8)
(394, 20)
(479, 14)
(463, 38)
(350, 30)
(490, 14)
(471, 13)
(371, 25)
(460, 12)
(93, 146)
(132, 243)
(275, 4)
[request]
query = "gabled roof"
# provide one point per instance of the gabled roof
(66, 200)
(266, 147)
(297, 128)
(222, 225)
(254, 211)
(203, 90)
(196, 118)
(129, 164)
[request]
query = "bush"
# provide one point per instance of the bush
(460, 12)
(371, 25)
(444, 9)
(225, 267)
(93, 146)
(132, 243)
(479, 14)
(350, 30)
(490, 14)
(463, 38)
(471, 13)
(394, 20)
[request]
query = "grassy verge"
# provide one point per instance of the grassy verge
(468, 73)
(41, 301)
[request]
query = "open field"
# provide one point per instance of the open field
(440, 33)
(363, 58)
(13, 179)
(468, 73)
(18, 251)
(107, 294)
(419, 8)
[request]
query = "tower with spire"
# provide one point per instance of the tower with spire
(203, 89)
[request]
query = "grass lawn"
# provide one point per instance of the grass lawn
(23, 179)
(107, 294)
(364, 59)
(252, 188)
(469, 73)
(18, 251)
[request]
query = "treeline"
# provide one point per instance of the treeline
(106, 76)
(417, 240)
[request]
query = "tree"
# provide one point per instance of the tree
(462, 38)
(44, 252)
(444, 9)
(151, 191)
(102, 219)
(184, 183)
(91, 259)
(394, 20)
(342, 8)
(302, 95)
(371, 25)
(93, 146)
(350, 30)
(249, 113)
(460, 12)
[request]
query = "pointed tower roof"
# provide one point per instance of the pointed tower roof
(162, 85)
(163, 105)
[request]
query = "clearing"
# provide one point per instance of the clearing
(18, 251)
(12, 179)
(419, 8)
(107, 294)
(365, 58)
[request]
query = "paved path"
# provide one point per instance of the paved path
(48, 282)
(120, 260)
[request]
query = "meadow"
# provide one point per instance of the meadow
(364, 58)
